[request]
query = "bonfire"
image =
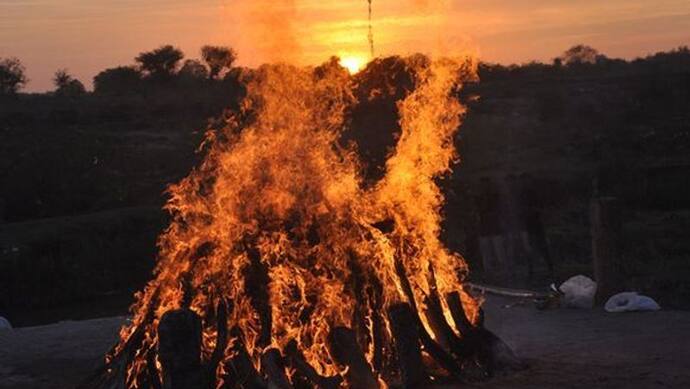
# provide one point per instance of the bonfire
(283, 268)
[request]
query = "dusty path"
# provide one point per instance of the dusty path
(564, 348)
(593, 349)
(54, 356)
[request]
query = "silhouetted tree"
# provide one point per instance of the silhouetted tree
(218, 58)
(119, 80)
(581, 54)
(66, 85)
(193, 69)
(12, 76)
(492, 71)
(161, 62)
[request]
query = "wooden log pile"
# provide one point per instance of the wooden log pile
(452, 352)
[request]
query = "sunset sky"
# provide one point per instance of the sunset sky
(87, 36)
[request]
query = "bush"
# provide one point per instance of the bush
(118, 81)
(12, 76)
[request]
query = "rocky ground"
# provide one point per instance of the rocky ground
(564, 349)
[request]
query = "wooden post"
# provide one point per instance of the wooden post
(605, 222)
(179, 349)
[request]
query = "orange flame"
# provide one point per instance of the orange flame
(277, 192)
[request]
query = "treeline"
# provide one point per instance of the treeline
(166, 65)
(163, 66)
(582, 60)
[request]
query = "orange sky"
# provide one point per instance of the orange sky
(87, 36)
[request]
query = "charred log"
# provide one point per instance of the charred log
(457, 311)
(221, 342)
(298, 362)
(151, 368)
(362, 307)
(502, 357)
(345, 351)
(484, 352)
(179, 349)
(257, 277)
(407, 347)
(241, 370)
(439, 327)
(441, 356)
(274, 369)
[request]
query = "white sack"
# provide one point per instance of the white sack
(630, 301)
(578, 292)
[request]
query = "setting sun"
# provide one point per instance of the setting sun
(353, 64)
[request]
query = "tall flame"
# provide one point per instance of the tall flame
(277, 218)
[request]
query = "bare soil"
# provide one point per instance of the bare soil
(564, 349)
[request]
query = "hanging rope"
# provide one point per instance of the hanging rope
(371, 33)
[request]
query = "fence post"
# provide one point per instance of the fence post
(605, 220)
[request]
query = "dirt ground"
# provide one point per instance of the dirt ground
(563, 348)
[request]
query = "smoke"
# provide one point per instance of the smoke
(307, 32)
(266, 30)
(425, 4)
(442, 30)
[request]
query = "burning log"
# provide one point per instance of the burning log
(179, 349)
(243, 374)
(435, 350)
(460, 348)
(483, 346)
(457, 311)
(362, 301)
(345, 351)
(300, 364)
(500, 354)
(257, 275)
(403, 325)
(221, 342)
(434, 313)
(439, 326)
(273, 368)
(154, 378)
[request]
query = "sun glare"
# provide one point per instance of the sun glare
(352, 63)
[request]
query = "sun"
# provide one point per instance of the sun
(352, 63)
